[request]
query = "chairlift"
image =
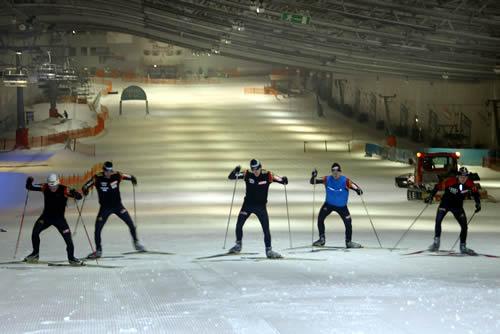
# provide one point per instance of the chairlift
(14, 77)
(68, 74)
(47, 72)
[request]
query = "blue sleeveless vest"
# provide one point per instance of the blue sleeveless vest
(336, 191)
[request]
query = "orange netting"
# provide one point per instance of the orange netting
(77, 181)
(62, 137)
(264, 90)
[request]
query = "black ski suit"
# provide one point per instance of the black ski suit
(108, 190)
(257, 188)
(53, 215)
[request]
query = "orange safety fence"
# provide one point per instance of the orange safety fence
(264, 90)
(169, 81)
(62, 137)
(108, 83)
(77, 180)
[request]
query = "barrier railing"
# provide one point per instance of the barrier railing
(328, 145)
(492, 163)
(389, 153)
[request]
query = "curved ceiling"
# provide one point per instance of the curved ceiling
(414, 38)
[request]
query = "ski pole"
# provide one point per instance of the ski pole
(135, 211)
(22, 222)
(288, 216)
(85, 229)
(408, 230)
(470, 219)
(79, 216)
(230, 211)
(371, 222)
(312, 221)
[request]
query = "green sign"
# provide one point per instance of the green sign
(133, 93)
(296, 18)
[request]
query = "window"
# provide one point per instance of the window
(99, 51)
(83, 51)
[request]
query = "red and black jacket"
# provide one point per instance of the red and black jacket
(108, 189)
(54, 201)
(455, 192)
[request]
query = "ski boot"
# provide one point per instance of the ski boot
(352, 244)
(32, 258)
(272, 254)
(76, 262)
(435, 245)
(95, 255)
(465, 250)
(138, 246)
(320, 242)
(236, 249)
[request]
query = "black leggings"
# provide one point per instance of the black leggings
(261, 212)
(102, 218)
(62, 226)
(343, 212)
(459, 214)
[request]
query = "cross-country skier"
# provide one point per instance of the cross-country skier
(455, 189)
(337, 195)
(107, 184)
(257, 181)
(55, 198)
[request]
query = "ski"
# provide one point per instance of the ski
(342, 247)
(148, 252)
(263, 258)
(223, 254)
(424, 251)
(24, 262)
(451, 253)
(84, 264)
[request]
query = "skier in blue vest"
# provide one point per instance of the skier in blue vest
(337, 195)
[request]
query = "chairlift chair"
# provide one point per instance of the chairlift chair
(14, 77)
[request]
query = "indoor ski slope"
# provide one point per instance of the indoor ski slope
(181, 155)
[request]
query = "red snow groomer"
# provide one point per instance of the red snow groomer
(431, 168)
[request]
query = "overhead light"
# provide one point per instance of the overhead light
(445, 76)
(155, 66)
(73, 32)
(19, 53)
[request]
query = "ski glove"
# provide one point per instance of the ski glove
(237, 169)
(75, 194)
(284, 180)
(133, 179)
(85, 191)
(359, 191)
(29, 181)
(314, 173)
(428, 200)
(478, 207)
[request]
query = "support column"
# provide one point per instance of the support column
(22, 141)
(53, 99)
